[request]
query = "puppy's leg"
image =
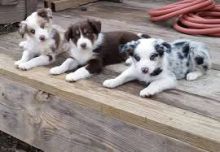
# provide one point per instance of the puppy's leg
(26, 56)
(193, 75)
(67, 65)
(93, 66)
(126, 76)
(158, 86)
(128, 61)
(38, 61)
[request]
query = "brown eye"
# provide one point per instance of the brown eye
(32, 31)
(77, 33)
(153, 57)
(87, 34)
(42, 26)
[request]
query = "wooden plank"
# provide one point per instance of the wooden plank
(13, 13)
(56, 125)
(47, 3)
(126, 17)
(181, 99)
(65, 4)
(8, 2)
(183, 125)
(31, 6)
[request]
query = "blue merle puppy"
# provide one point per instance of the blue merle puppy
(160, 64)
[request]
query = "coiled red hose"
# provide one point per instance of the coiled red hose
(198, 17)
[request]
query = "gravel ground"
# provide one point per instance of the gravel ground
(11, 144)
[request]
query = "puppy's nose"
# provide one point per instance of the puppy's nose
(145, 70)
(83, 45)
(42, 38)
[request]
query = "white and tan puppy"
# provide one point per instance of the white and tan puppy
(43, 40)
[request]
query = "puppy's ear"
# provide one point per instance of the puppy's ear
(128, 48)
(45, 13)
(69, 33)
(96, 25)
(162, 47)
(22, 28)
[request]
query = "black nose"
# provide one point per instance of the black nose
(42, 38)
(144, 70)
(83, 45)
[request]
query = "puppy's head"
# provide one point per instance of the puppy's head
(37, 25)
(147, 54)
(84, 34)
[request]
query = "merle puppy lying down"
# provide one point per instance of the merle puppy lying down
(43, 40)
(91, 49)
(159, 63)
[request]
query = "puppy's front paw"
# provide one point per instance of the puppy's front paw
(109, 83)
(72, 77)
(23, 44)
(55, 71)
(17, 63)
(148, 92)
(24, 66)
(128, 61)
(191, 76)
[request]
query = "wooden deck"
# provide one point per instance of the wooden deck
(55, 116)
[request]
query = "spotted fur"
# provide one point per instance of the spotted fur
(160, 63)
(43, 41)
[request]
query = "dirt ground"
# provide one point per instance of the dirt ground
(11, 144)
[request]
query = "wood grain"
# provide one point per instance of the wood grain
(31, 6)
(13, 13)
(156, 116)
(65, 4)
(56, 125)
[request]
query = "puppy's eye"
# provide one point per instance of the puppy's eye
(87, 34)
(153, 57)
(32, 31)
(42, 26)
(77, 33)
(137, 58)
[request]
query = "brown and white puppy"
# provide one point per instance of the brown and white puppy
(43, 40)
(91, 49)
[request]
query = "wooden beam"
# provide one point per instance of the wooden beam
(65, 4)
(54, 125)
(183, 125)
(31, 6)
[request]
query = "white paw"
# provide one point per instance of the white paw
(72, 77)
(18, 62)
(22, 44)
(128, 61)
(55, 71)
(24, 66)
(109, 83)
(191, 76)
(148, 92)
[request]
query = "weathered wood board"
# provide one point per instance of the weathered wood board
(56, 125)
(149, 114)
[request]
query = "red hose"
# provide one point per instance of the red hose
(198, 17)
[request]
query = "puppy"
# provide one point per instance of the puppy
(160, 64)
(43, 40)
(91, 49)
